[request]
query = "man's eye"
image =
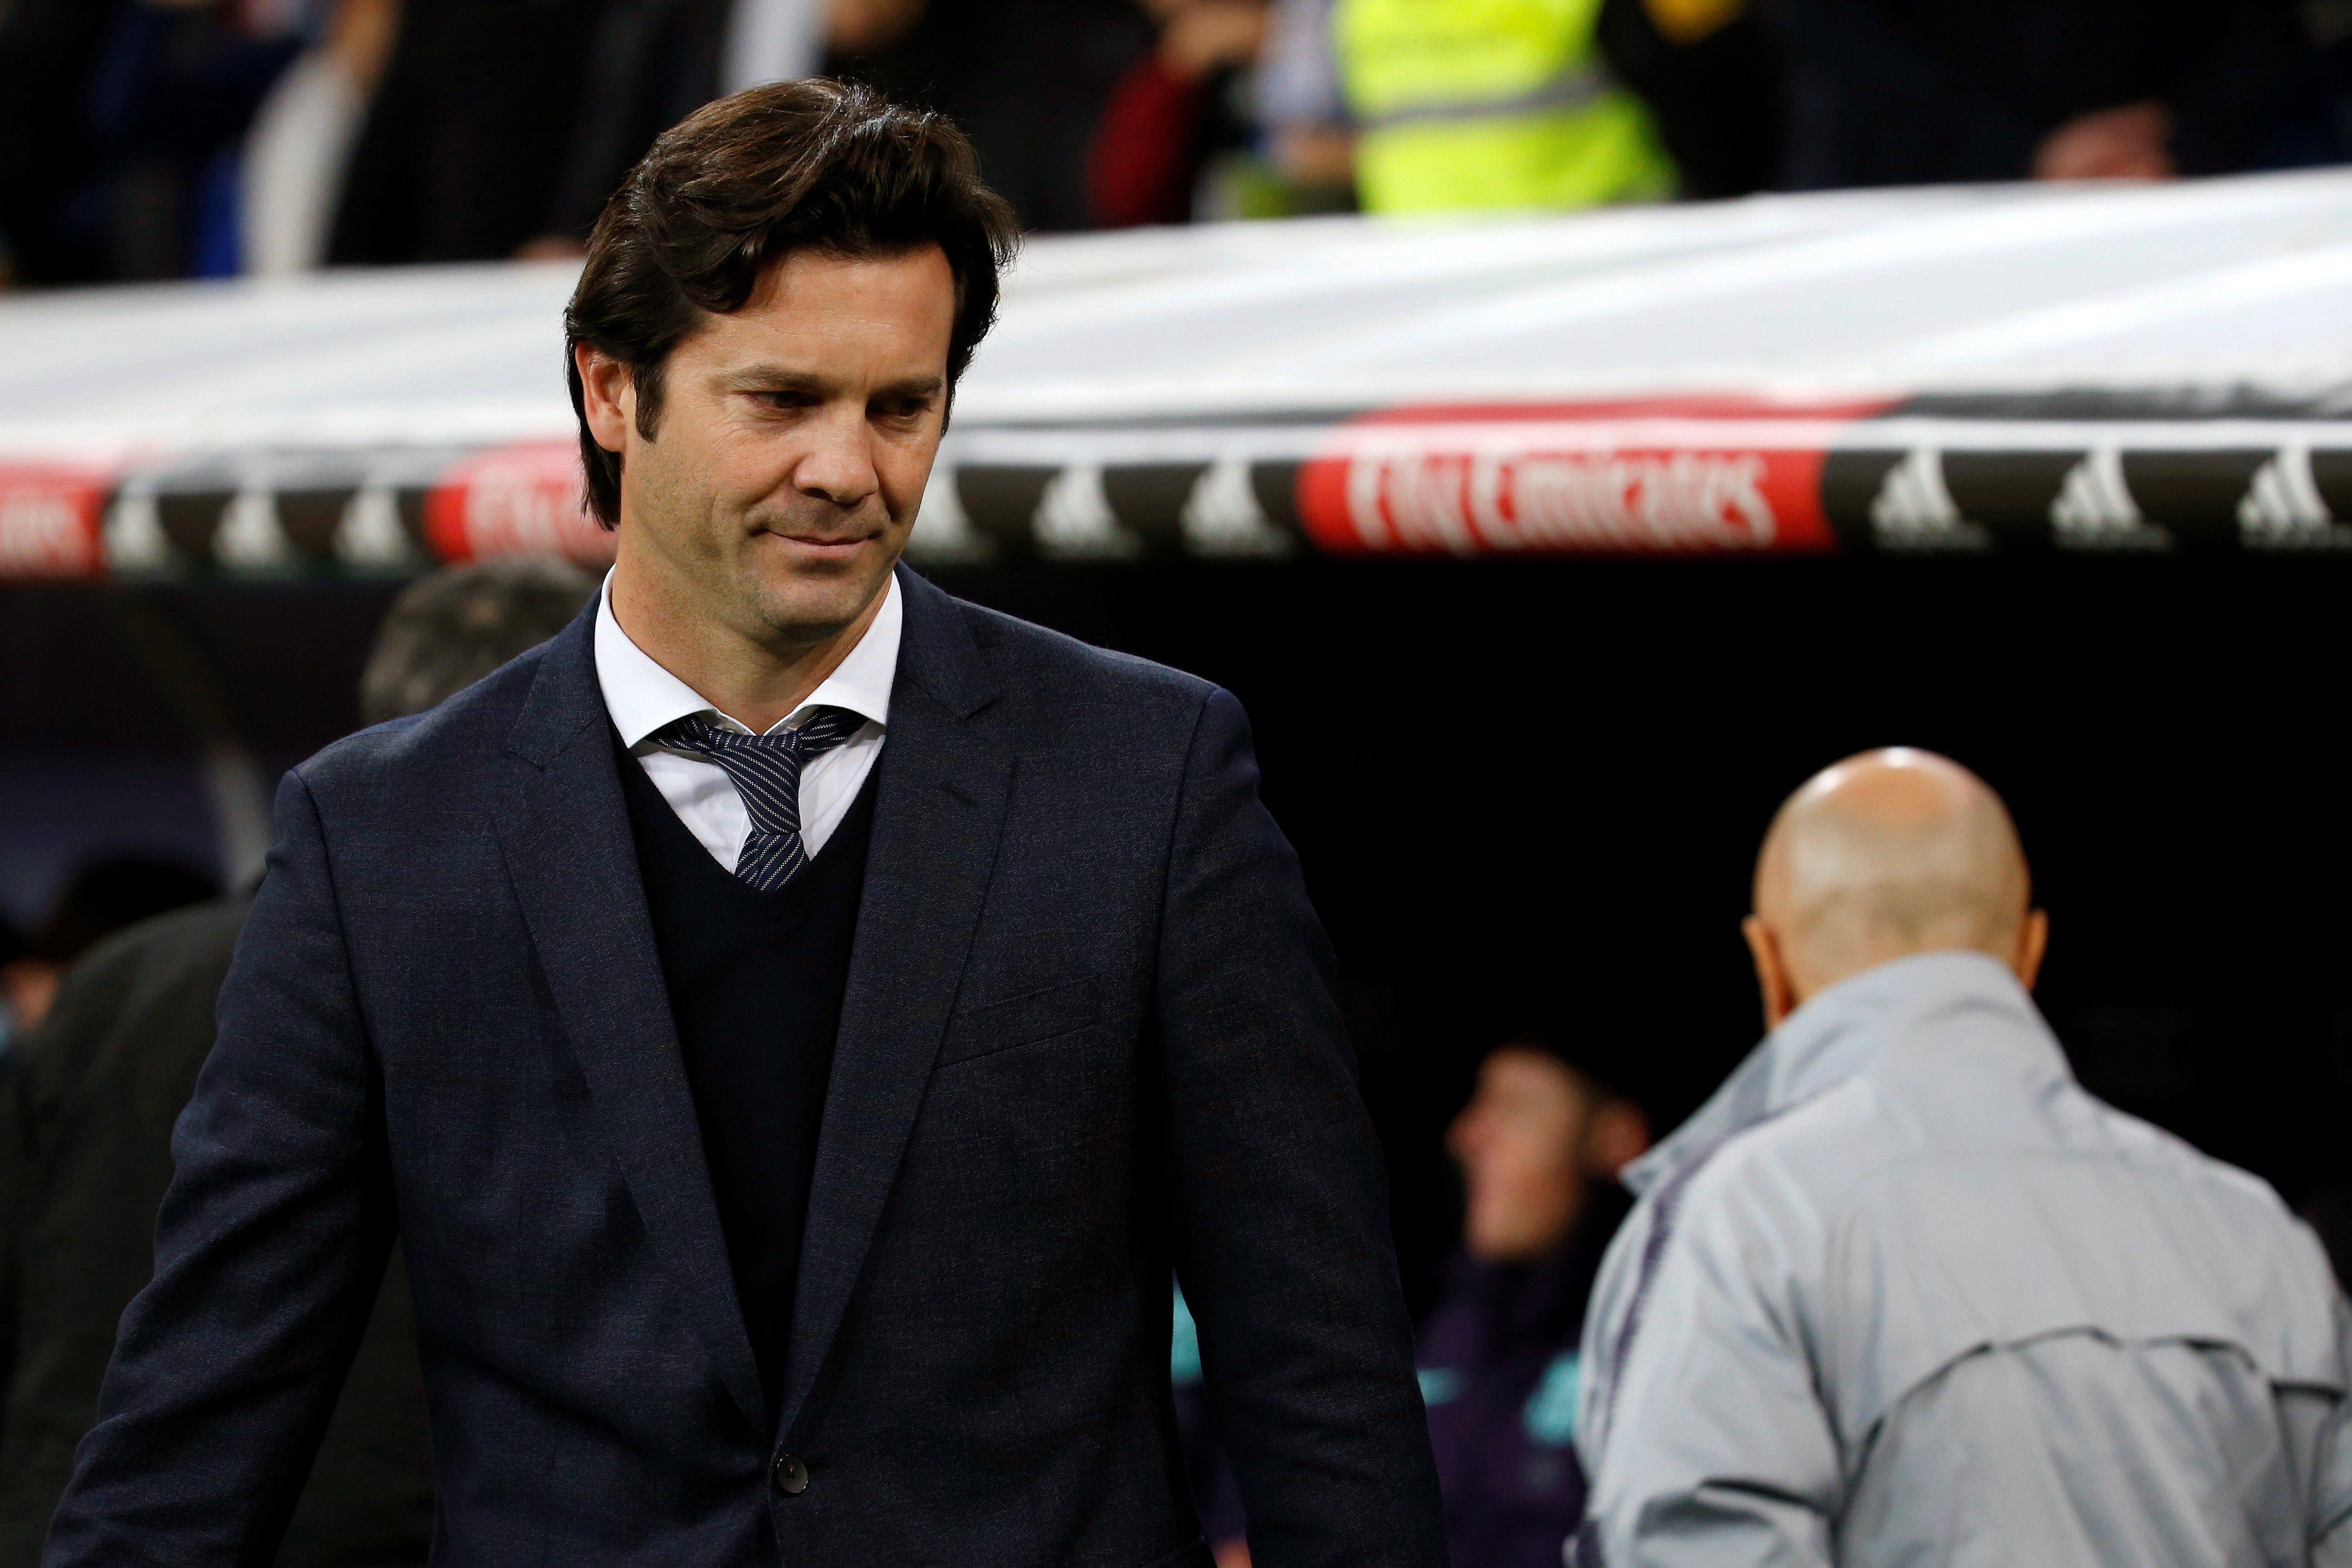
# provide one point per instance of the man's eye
(785, 399)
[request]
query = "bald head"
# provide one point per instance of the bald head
(1885, 855)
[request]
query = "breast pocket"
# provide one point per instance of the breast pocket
(1031, 1018)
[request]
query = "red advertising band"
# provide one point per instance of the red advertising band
(1680, 475)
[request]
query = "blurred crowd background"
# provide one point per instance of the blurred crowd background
(155, 139)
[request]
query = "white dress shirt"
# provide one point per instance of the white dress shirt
(643, 698)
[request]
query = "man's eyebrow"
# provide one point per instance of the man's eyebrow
(780, 378)
(776, 378)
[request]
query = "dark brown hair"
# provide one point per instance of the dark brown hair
(742, 183)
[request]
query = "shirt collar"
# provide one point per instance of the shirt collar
(643, 697)
(1836, 1036)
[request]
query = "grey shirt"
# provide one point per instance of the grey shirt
(1902, 1292)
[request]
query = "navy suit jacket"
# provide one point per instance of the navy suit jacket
(1088, 1037)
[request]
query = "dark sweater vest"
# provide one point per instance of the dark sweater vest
(755, 981)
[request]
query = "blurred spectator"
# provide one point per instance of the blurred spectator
(651, 63)
(85, 1114)
(1711, 72)
(1708, 72)
(448, 630)
(1902, 1291)
(459, 154)
(1174, 108)
(1490, 104)
(1540, 1144)
(1301, 108)
(102, 898)
(299, 151)
(1906, 91)
(122, 131)
(1027, 79)
(503, 125)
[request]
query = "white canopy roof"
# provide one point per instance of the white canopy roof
(2213, 315)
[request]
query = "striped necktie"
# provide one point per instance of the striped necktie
(766, 771)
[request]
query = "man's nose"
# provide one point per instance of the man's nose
(839, 462)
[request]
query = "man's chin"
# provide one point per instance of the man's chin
(814, 598)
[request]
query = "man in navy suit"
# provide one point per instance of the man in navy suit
(793, 1020)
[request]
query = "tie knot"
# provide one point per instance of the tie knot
(814, 736)
(765, 769)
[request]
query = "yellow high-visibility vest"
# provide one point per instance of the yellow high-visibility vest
(1489, 103)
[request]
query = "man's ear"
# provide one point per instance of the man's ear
(1771, 970)
(608, 397)
(2032, 943)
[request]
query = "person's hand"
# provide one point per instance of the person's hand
(360, 37)
(1232, 1554)
(2128, 142)
(1206, 34)
(1314, 155)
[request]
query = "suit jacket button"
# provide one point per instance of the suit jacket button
(790, 1475)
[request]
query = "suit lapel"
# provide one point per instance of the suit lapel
(938, 809)
(564, 832)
